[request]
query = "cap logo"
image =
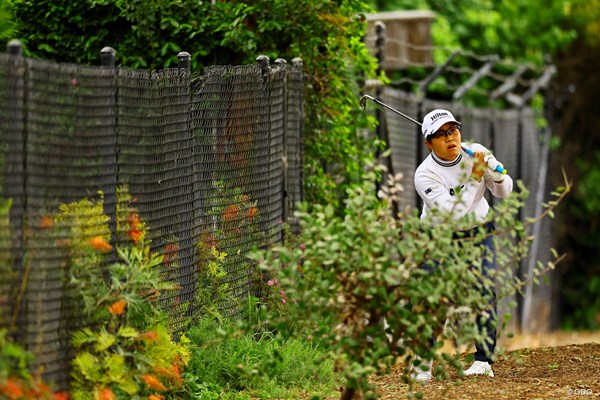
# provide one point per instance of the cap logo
(439, 115)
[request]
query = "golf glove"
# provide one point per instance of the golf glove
(491, 172)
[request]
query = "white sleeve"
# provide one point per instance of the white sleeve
(500, 189)
(436, 196)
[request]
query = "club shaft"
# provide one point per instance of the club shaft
(394, 110)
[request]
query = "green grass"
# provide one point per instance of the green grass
(265, 366)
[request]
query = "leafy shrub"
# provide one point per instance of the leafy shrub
(363, 270)
(123, 347)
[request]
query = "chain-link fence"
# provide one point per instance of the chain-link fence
(199, 161)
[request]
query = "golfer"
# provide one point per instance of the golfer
(451, 181)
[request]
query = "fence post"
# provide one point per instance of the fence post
(107, 61)
(15, 182)
(107, 57)
(381, 131)
(184, 60)
(188, 277)
(299, 66)
(282, 64)
(379, 114)
(263, 63)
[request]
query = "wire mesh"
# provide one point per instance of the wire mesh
(231, 116)
(192, 164)
(66, 157)
(156, 172)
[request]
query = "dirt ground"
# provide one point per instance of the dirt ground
(550, 366)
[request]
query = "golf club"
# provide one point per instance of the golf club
(363, 105)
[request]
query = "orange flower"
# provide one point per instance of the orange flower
(61, 396)
(46, 222)
(106, 394)
(118, 307)
(171, 373)
(100, 244)
(153, 383)
(12, 388)
(155, 397)
(136, 236)
(150, 336)
(231, 212)
(134, 221)
(40, 388)
(251, 213)
(244, 197)
(135, 228)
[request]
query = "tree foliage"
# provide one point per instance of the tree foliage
(515, 29)
(6, 23)
(150, 33)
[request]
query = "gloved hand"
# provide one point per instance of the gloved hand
(490, 171)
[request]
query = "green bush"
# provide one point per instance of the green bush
(366, 266)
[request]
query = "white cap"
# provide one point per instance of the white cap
(435, 119)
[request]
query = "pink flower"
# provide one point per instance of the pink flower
(270, 283)
(283, 301)
(74, 82)
(302, 246)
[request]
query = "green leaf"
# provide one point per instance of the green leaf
(129, 386)
(105, 340)
(128, 332)
(116, 368)
(85, 336)
(88, 365)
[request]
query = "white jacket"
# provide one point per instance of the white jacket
(448, 187)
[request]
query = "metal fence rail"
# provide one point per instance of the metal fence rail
(204, 160)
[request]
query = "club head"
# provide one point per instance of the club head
(363, 101)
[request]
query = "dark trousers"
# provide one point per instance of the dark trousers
(486, 322)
